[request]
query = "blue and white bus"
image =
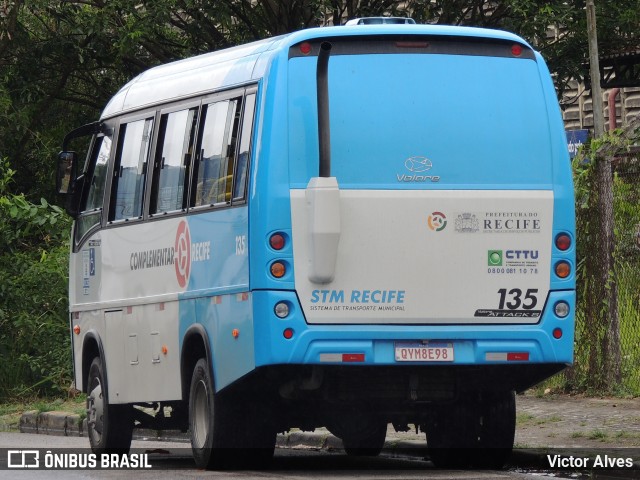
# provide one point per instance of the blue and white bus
(346, 227)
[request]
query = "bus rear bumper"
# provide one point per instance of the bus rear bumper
(291, 340)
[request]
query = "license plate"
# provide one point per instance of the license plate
(424, 352)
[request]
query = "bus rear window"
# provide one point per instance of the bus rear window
(469, 119)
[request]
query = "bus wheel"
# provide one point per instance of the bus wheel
(476, 433)
(110, 427)
(497, 432)
(225, 432)
(257, 434)
(367, 443)
(202, 415)
(362, 433)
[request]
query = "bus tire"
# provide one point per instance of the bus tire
(227, 432)
(368, 443)
(109, 427)
(257, 433)
(498, 429)
(202, 416)
(450, 436)
(477, 434)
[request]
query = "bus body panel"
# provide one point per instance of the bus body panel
(150, 262)
(446, 256)
(208, 72)
(473, 344)
(147, 281)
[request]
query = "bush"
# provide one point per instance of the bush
(34, 330)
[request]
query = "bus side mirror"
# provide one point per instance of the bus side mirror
(67, 167)
(67, 183)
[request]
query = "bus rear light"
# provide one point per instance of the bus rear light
(288, 333)
(278, 269)
(76, 329)
(507, 356)
(516, 50)
(518, 357)
(235, 333)
(563, 269)
(563, 242)
(342, 357)
(281, 310)
(305, 48)
(561, 309)
(557, 333)
(276, 241)
(353, 357)
(412, 44)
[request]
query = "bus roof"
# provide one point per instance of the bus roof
(245, 63)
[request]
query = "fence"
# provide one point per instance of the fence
(607, 347)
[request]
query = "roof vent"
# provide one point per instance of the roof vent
(381, 21)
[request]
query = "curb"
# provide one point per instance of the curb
(52, 423)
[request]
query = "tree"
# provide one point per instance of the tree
(33, 297)
(61, 61)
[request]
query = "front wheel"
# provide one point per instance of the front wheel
(110, 427)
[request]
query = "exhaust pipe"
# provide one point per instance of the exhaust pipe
(324, 132)
(322, 193)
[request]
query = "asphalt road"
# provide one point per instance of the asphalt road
(173, 461)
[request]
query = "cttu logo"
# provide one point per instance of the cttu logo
(494, 258)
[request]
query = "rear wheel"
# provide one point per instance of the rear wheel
(227, 431)
(362, 434)
(476, 434)
(368, 443)
(204, 426)
(109, 427)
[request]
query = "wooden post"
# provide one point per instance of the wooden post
(611, 341)
(594, 69)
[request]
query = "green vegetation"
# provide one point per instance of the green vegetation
(524, 419)
(34, 331)
(10, 413)
(598, 435)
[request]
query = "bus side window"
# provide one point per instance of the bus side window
(214, 170)
(173, 160)
(232, 140)
(240, 180)
(91, 205)
(130, 170)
